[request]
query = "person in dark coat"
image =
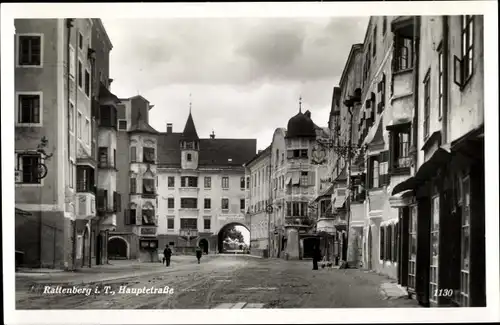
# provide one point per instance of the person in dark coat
(167, 254)
(316, 257)
(198, 253)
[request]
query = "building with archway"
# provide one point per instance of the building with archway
(201, 187)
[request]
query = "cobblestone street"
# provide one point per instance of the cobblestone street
(218, 282)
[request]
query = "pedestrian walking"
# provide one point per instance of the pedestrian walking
(167, 254)
(316, 257)
(198, 253)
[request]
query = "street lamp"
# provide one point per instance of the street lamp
(347, 152)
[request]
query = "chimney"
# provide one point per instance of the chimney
(212, 136)
(169, 127)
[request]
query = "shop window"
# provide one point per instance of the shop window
(465, 249)
(434, 265)
(412, 258)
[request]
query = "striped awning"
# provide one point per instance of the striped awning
(340, 198)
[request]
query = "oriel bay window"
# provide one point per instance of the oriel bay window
(148, 155)
(399, 148)
(148, 186)
(296, 209)
(104, 160)
(189, 203)
(403, 53)
(465, 245)
(85, 180)
(189, 181)
(297, 153)
(148, 215)
(189, 223)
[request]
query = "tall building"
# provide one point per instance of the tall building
(442, 205)
(258, 200)
(56, 220)
(136, 233)
(295, 175)
(201, 187)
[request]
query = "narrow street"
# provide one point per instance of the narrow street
(221, 282)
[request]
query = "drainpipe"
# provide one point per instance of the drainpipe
(416, 43)
(445, 85)
(69, 25)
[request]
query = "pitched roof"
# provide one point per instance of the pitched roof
(189, 132)
(142, 126)
(213, 152)
(260, 154)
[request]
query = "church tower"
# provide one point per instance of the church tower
(190, 144)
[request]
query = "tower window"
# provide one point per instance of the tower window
(189, 157)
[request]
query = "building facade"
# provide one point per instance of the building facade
(201, 188)
(442, 205)
(258, 198)
(55, 142)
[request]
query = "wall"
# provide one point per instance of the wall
(278, 174)
(122, 178)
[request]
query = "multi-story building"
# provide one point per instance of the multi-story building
(201, 187)
(258, 198)
(55, 128)
(295, 165)
(136, 234)
(442, 205)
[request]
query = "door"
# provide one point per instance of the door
(98, 252)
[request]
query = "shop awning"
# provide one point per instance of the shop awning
(327, 193)
(295, 178)
(340, 198)
(428, 169)
(402, 199)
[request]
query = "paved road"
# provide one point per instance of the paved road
(225, 282)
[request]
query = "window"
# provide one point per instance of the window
(384, 25)
(29, 168)
(171, 181)
(242, 182)
(29, 109)
(80, 74)
(225, 182)
(465, 243)
(189, 157)
(122, 125)
(71, 118)
(85, 179)
(381, 91)
(403, 53)
(388, 243)
(133, 154)
(189, 223)
(206, 224)
(133, 185)
(374, 172)
(296, 209)
(108, 116)
(297, 153)
(427, 104)
(87, 133)
(248, 182)
(434, 265)
(148, 155)
(170, 223)
(208, 182)
(207, 204)
(80, 41)
(304, 177)
(130, 216)
(171, 203)
(382, 241)
(72, 58)
(412, 260)
(467, 62)
(148, 217)
(30, 50)
(375, 41)
(87, 83)
(242, 204)
(189, 203)
(225, 204)
(189, 181)
(440, 81)
(114, 158)
(71, 174)
(103, 157)
(148, 186)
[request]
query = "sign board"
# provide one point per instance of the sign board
(232, 218)
(148, 231)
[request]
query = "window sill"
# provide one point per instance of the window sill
(29, 184)
(29, 125)
(29, 66)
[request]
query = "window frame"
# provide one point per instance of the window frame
(172, 219)
(89, 181)
(19, 167)
(40, 108)
(224, 199)
(242, 204)
(126, 125)
(171, 181)
(209, 205)
(87, 89)
(467, 48)
(18, 50)
(80, 71)
(170, 200)
(441, 83)
(225, 179)
(133, 185)
(205, 220)
(184, 205)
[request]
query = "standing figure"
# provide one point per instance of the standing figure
(167, 254)
(198, 253)
(316, 257)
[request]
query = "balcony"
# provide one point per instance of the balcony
(85, 205)
(148, 231)
(187, 191)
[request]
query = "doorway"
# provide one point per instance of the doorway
(203, 245)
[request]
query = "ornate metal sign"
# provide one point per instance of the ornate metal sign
(318, 155)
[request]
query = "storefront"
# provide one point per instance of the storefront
(447, 266)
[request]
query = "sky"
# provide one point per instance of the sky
(245, 75)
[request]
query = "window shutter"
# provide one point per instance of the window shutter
(312, 178)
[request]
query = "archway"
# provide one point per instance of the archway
(203, 243)
(227, 231)
(118, 248)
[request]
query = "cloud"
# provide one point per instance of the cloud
(245, 74)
